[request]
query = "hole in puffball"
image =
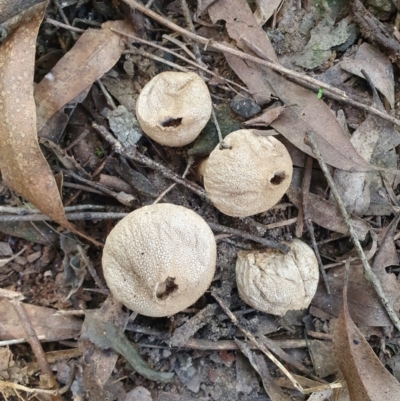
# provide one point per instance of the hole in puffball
(277, 178)
(171, 122)
(166, 288)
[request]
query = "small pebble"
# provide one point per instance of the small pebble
(244, 106)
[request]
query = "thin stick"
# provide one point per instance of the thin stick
(222, 144)
(180, 44)
(147, 162)
(90, 267)
(305, 190)
(135, 50)
(65, 26)
(314, 245)
(282, 223)
(369, 274)
(165, 49)
(18, 341)
(101, 188)
(331, 91)
(36, 345)
(185, 173)
(109, 99)
(23, 211)
(265, 350)
(103, 216)
(270, 244)
(189, 22)
(69, 216)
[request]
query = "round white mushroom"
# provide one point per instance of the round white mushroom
(273, 282)
(250, 177)
(159, 259)
(174, 107)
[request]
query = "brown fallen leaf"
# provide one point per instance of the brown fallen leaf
(310, 114)
(44, 321)
(9, 9)
(23, 166)
(95, 52)
(364, 305)
(366, 377)
(266, 118)
(327, 214)
(387, 256)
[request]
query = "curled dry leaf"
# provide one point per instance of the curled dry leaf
(22, 164)
(266, 118)
(95, 52)
(366, 377)
(378, 67)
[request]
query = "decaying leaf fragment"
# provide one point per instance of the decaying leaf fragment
(95, 52)
(23, 166)
(260, 366)
(366, 377)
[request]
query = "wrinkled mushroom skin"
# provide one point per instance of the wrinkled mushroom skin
(159, 259)
(174, 107)
(249, 178)
(273, 282)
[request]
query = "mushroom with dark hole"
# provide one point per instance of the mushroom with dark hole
(174, 107)
(273, 282)
(159, 259)
(250, 177)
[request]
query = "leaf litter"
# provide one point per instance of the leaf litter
(358, 362)
(72, 80)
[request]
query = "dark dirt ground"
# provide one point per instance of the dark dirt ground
(207, 363)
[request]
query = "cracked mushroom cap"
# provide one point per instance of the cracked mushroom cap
(249, 178)
(174, 107)
(273, 282)
(159, 259)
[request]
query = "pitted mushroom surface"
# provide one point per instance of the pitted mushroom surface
(159, 259)
(249, 178)
(174, 107)
(273, 282)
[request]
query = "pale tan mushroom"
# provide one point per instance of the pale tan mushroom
(159, 259)
(174, 107)
(273, 282)
(249, 178)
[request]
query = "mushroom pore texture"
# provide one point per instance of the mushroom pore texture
(174, 107)
(273, 282)
(249, 178)
(159, 259)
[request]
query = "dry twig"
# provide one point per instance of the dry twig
(36, 346)
(262, 347)
(369, 274)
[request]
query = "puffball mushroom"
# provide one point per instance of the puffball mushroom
(174, 107)
(159, 259)
(273, 282)
(250, 177)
